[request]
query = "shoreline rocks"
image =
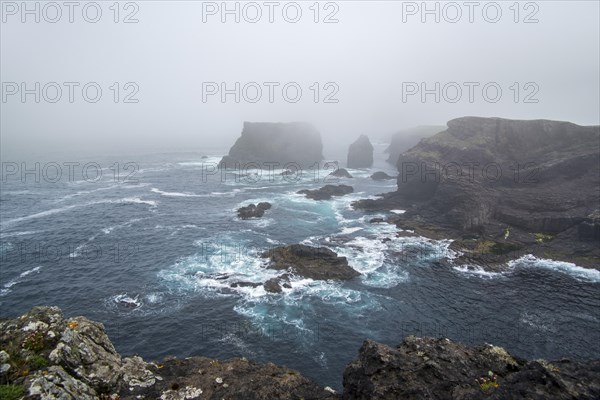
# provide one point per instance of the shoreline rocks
(503, 189)
(54, 357)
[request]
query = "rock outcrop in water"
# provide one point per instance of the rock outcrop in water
(504, 188)
(253, 210)
(341, 173)
(318, 263)
(381, 176)
(327, 192)
(45, 356)
(428, 368)
(360, 153)
(298, 143)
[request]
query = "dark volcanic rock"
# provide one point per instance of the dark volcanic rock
(272, 286)
(327, 192)
(533, 184)
(360, 153)
(282, 143)
(253, 211)
(341, 173)
(427, 368)
(381, 176)
(376, 220)
(311, 262)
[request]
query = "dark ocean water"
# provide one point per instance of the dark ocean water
(152, 256)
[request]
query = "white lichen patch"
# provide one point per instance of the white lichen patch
(35, 325)
(188, 393)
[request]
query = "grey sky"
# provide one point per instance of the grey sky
(368, 54)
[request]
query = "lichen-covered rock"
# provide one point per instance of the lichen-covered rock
(135, 373)
(79, 362)
(85, 350)
(428, 368)
(360, 153)
(55, 383)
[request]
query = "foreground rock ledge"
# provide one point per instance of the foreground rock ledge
(44, 355)
(428, 368)
(47, 356)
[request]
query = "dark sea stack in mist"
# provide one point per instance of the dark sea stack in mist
(360, 153)
(327, 192)
(428, 368)
(282, 143)
(511, 186)
(407, 138)
(317, 263)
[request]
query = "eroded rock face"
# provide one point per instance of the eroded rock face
(253, 210)
(327, 192)
(282, 143)
(360, 153)
(428, 368)
(505, 181)
(311, 262)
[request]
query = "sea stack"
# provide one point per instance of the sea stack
(360, 153)
(288, 145)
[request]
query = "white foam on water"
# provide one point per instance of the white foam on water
(20, 233)
(176, 194)
(398, 211)
(127, 200)
(477, 271)
(571, 269)
(6, 289)
(349, 230)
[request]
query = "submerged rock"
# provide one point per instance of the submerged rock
(360, 153)
(381, 176)
(253, 211)
(428, 368)
(327, 192)
(311, 262)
